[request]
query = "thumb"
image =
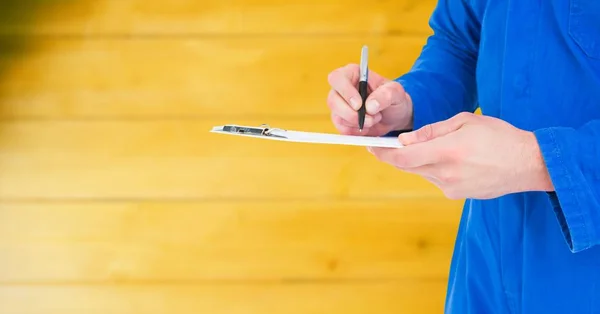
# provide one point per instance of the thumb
(431, 131)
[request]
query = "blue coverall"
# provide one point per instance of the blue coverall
(535, 64)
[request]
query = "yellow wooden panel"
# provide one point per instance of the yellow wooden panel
(177, 77)
(192, 17)
(97, 159)
(191, 241)
(404, 297)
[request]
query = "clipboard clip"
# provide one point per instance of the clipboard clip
(262, 130)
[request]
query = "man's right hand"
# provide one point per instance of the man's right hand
(389, 107)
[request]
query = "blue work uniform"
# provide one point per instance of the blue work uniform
(536, 65)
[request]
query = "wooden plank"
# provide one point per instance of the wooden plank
(180, 159)
(142, 17)
(349, 298)
(204, 77)
(128, 242)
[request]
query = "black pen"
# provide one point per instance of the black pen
(362, 86)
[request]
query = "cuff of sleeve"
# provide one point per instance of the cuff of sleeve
(570, 213)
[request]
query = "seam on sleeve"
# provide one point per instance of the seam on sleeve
(567, 205)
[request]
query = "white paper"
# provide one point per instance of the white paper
(321, 138)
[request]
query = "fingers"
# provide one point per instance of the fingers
(349, 128)
(441, 174)
(344, 101)
(426, 171)
(408, 157)
(344, 81)
(389, 93)
(340, 108)
(408, 162)
(435, 130)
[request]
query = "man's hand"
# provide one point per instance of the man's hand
(389, 107)
(471, 156)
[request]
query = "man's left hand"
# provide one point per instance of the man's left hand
(471, 156)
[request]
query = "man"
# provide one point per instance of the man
(529, 167)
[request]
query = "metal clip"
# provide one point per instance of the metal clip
(244, 129)
(262, 130)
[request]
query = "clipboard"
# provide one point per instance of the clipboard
(265, 132)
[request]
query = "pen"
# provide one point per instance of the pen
(362, 86)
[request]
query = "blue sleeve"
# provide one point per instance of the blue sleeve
(571, 156)
(442, 82)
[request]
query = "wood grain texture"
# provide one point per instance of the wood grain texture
(129, 242)
(116, 199)
(155, 17)
(207, 77)
(180, 159)
(405, 297)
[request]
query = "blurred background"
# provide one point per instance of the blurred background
(116, 199)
